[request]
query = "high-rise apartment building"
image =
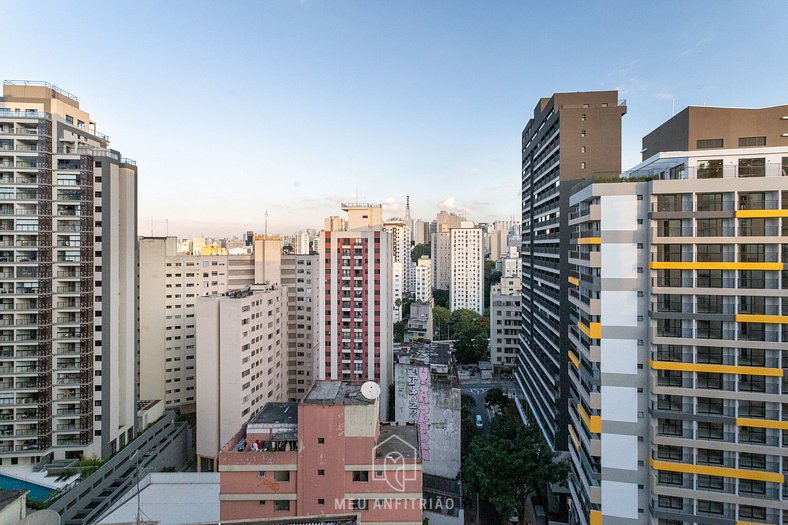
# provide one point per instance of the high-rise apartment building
(241, 362)
(355, 334)
(441, 260)
(571, 136)
(302, 243)
(423, 271)
(466, 289)
(68, 224)
(300, 278)
(402, 267)
(678, 329)
(169, 286)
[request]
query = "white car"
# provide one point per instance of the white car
(479, 422)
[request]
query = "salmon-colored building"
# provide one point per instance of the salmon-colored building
(327, 455)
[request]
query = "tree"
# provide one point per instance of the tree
(470, 347)
(440, 322)
(510, 464)
(399, 331)
(441, 297)
(495, 396)
(491, 277)
(419, 250)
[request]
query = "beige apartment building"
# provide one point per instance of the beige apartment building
(169, 287)
(241, 362)
(68, 281)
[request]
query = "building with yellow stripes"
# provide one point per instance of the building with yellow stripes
(678, 292)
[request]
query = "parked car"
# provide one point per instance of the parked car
(479, 422)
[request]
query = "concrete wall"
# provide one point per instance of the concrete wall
(435, 406)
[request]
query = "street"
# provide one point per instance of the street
(478, 389)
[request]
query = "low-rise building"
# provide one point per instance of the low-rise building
(344, 460)
(505, 319)
(419, 326)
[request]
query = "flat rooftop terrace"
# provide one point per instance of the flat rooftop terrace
(336, 393)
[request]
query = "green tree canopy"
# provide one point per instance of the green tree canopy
(441, 297)
(440, 322)
(510, 464)
(419, 250)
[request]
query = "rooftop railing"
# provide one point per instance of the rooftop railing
(41, 83)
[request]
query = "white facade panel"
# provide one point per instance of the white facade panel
(619, 451)
(619, 356)
(619, 308)
(619, 404)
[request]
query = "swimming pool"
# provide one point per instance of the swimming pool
(38, 492)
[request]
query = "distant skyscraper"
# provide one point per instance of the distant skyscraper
(423, 273)
(401, 250)
(68, 259)
(355, 298)
(466, 289)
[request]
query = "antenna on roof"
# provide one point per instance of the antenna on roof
(266, 221)
(407, 207)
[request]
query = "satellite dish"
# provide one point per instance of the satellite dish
(370, 390)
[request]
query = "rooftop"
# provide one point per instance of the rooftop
(281, 413)
(400, 440)
(424, 353)
(170, 499)
(336, 393)
(7, 497)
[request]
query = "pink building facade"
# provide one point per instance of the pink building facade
(327, 455)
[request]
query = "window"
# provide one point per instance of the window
(710, 507)
(321, 501)
(710, 482)
(261, 502)
(583, 133)
(582, 165)
(282, 475)
(709, 143)
(746, 142)
(321, 441)
(710, 169)
(321, 472)
(785, 166)
(582, 149)
(360, 475)
(750, 512)
(282, 505)
(69, 119)
(752, 167)
(261, 474)
(670, 502)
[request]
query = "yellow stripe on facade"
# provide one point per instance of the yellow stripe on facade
(774, 477)
(593, 330)
(589, 240)
(573, 280)
(593, 423)
(664, 265)
(761, 423)
(575, 360)
(574, 437)
(716, 369)
(770, 319)
(756, 214)
(595, 517)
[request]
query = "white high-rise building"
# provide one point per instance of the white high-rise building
(241, 347)
(466, 289)
(397, 289)
(68, 253)
(423, 272)
(301, 243)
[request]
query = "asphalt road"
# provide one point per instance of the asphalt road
(478, 389)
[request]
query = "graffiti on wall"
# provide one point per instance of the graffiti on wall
(419, 405)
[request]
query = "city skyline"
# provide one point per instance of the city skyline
(344, 102)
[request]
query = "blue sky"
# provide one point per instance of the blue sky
(234, 107)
